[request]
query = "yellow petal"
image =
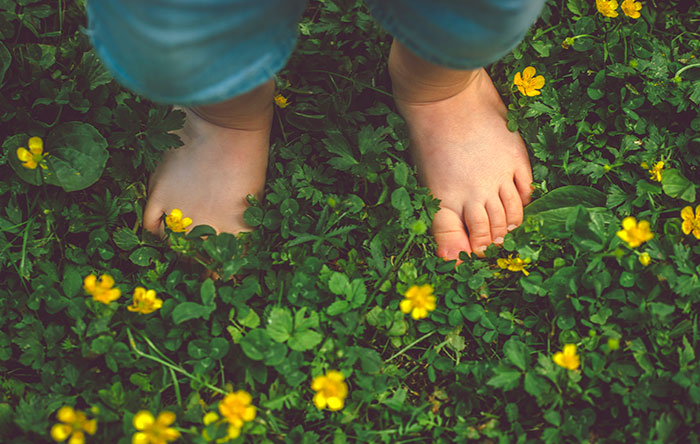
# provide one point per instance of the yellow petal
(36, 145)
(696, 233)
(186, 222)
(24, 155)
(406, 305)
(165, 418)
(320, 400)
(60, 432)
(335, 403)
(209, 418)
(176, 214)
(106, 281)
(569, 350)
(143, 419)
(629, 223)
(249, 413)
(528, 73)
(66, 414)
(140, 438)
(538, 82)
(687, 213)
(335, 375)
(317, 383)
(171, 434)
(77, 438)
(686, 226)
(234, 432)
(90, 426)
(517, 80)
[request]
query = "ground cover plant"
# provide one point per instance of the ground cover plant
(334, 321)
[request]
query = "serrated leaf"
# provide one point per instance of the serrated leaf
(504, 378)
(516, 352)
(144, 256)
(304, 340)
(338, 283)
(337, 307)
(125, 239)
(675, 184)
(186, 311)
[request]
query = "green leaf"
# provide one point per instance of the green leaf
(207, 292)
(191, 310)
(516, 352)
(504, 378)
(253, 216)
(677, 185)
(401, 174)
(255, 343)
(77, 155)
(125, 239)
(144, 256)
(566, 196)
(304, 340)
(338, 283)
(401, 200)
(279, 324)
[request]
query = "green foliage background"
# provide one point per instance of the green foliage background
(319, 284)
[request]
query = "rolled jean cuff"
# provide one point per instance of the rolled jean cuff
(193, 52)
(457, 34)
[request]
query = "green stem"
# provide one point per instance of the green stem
(172, 367)
(354, 81)
(388, 272)
(685, 68)
(409, 346)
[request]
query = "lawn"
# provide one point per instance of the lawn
(582, 327)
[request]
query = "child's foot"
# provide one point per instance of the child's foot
(209, 177)
(465, 154)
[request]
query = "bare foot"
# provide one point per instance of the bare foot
(209, 177)
(467, 157)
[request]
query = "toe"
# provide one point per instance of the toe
(152, 218)
(449, 233)
(512, 203)
(477, 220)
(523, 183)
(497, 219)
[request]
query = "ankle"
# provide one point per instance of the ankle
(251, 111)
(416, 80)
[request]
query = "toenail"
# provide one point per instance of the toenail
(512, 227)
(498, 240)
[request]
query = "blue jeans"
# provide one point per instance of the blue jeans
(196, 52)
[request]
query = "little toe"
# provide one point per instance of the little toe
(477, 220)
(449, 233)
(523, 183)
(152, 218)
(512, 203)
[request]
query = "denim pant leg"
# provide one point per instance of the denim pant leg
(193, 52)
(457, 34)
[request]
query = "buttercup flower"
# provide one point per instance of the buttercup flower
(514, 264)
(567, 358)
(655, 171)
(74, 424)
(145, 301)
(644, 259)
(281, 101)
(631, 8)
(33, 156)
(176, 222)
(527, 83)
(691, 222)
(419, 301)
(607, 7)
(635, 234)
(102, 290)
(331, 390)
(154, 430)
(236, 408)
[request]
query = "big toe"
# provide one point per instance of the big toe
(450, 235)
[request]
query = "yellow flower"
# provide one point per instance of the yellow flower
(419, 301)
(176, 222)
(281, 101)
(145, 301)
(567, 358)
(236, 408)
(655, 171)
(331, 390)
(635, 234)
(644, 259)
(154, 430)
(514, 264)
(631, 8)
(607, 7)
(74, 424)
(33, 156)
(101, 291)
(528, 84)
(691, 222)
